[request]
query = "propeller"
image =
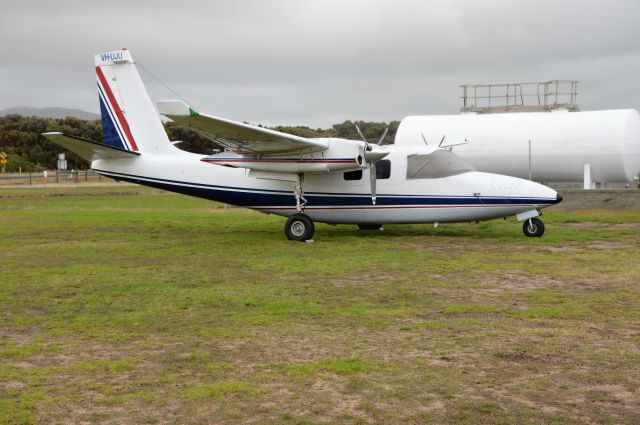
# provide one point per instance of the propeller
(372, 154)
(448, 145)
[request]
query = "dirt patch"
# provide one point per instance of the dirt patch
(278, 393)
(521, 282)
(597, 224)
(434, 404)
(428, 358)
(527, 248)
(332, 387)
(536, 406)
(524, 357)
(433, 247)
(618, 392)
(627, 199)
(14, 385)
(326, 383)
(604, 245)
(355, 280)
(23, 365)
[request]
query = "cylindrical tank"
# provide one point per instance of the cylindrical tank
(562, 142)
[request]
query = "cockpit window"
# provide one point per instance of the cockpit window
(440, 163)
(383, 169)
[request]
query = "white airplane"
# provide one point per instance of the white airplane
(327, 180)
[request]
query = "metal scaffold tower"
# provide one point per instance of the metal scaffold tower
(520, 97)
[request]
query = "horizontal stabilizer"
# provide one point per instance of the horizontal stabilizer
(87, 149)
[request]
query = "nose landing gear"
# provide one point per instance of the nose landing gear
(533, 227)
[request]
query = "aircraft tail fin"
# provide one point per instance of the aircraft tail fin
(129, 118)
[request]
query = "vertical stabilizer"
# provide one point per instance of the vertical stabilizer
(129, 119)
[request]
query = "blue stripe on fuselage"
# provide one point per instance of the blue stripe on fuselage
(246, 197)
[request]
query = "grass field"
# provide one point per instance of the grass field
(158, 308)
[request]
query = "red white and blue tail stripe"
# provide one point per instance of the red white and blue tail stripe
(115, 128)
(129, 118)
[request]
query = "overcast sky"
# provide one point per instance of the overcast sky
(319, 62)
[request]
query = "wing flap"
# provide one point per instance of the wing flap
(88, 149)
(239, 135)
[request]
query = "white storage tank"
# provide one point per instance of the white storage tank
(592, 146)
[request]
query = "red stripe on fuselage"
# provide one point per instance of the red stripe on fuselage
(314, 161)
(116, 108)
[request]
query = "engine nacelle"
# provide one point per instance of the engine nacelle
(341, 155)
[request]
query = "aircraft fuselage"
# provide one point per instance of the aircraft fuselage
(331, 198)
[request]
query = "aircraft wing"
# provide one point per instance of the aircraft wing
(236, 135)
(88, 149)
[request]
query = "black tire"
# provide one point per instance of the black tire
(299, 227)
(369, 226)
(533, 227)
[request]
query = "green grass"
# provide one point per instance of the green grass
(218, 390)
(131, 305)
(346, 366)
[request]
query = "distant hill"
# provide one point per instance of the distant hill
(52, 112)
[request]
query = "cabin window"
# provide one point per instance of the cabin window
(440, 163)
(353, 175)
(383, 169)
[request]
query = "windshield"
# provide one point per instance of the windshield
(440, 163)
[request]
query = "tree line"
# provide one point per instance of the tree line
(21, 138)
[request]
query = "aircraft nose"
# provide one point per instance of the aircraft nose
(559, 197)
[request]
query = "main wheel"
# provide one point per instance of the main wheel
(299, 227)
(533, 227)
(369, 226)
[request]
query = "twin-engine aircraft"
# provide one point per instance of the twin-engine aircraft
(308, 180)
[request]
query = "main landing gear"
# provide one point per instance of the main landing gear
(533, 227)
(299, 227)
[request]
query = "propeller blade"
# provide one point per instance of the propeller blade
(360, 133)
(424, 138)
(451, 143)
(386, 130)
(372, 181)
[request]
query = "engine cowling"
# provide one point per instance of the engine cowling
(341, 155)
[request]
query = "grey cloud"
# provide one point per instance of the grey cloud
(320, 62)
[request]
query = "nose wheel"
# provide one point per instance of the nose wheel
(299, 227)
(533, 227)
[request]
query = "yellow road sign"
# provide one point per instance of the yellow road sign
(3, 155)
(3, 161)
